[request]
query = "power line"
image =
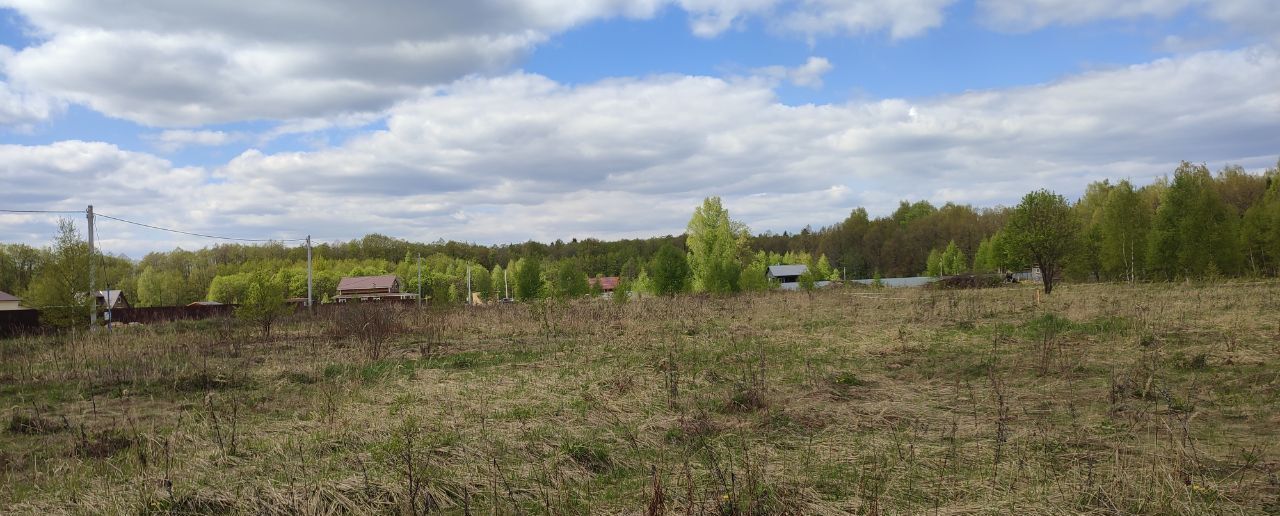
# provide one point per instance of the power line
(65, 212)
(203, 235)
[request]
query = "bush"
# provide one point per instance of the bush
(264, 303)
(370, 325)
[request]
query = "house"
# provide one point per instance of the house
(606, 283)
(111, 299)
(788, 276)
(10, 302)
(785, 274)
(371, 288)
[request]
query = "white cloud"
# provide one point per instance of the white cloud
(185, 64)
(174, 139)
(1261, 17)
(520, 156)
(903, 19)
(1025, 15)
(18, 109)
(808, 75)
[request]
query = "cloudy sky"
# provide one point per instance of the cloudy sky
(506, 120)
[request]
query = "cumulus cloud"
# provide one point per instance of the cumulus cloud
(174, 139)
(186, 64)
(1257, 16)
(808, 75)
(183, 64)
(18, 110)
(903, 19)
(521, 156)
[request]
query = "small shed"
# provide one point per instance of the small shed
(785, 274)
(606, 283)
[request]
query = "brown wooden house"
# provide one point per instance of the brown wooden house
(371, 288)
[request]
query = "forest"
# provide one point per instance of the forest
(1192, 224)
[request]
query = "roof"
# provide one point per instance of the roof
(5, 296)
(367, 282)
(606, 282)
(205, 303)
(111, 296)
(787, 270)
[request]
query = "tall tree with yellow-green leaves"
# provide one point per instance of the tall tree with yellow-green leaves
(715, 244)
(59, 287)
(1124, 225)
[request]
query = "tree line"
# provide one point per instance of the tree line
(1192, 224)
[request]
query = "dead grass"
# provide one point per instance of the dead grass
(1107, 399)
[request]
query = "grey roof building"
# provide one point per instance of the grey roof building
(786, 273)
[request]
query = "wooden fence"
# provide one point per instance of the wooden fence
(155, 314)
(19, 322)
(27, 322)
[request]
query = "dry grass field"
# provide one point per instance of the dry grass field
(1105, 399)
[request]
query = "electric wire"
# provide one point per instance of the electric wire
(65, 212)
(203, 235)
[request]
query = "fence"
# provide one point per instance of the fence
(155, 314)
(19, 322)
(26, 322)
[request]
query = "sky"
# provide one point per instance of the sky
(495, 121)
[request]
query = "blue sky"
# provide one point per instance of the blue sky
(548, 119)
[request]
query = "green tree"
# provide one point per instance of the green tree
(933, 265)
(952, 261)
(754, 277)
(597, 287)
(18, 265)
(823, 270)
(643, 284)
(1123, 228)
(621, 293)
(232, 288)
(1006, 256)
(482, 283)
(984, 259)
(571, 282)
(160, 288)
(1194, 232)
(1260, 231)
(1086, 261)
(715, 242)
(498, 282)
(669, 271)
(263, 303)
(528, 279)
(808, 281)
(58, 289)
(1043, 229)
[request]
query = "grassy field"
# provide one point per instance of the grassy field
(1109, 399)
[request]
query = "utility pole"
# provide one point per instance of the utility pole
(419, 280)
(505, 288)
(469, 300)
(93, 295)
(309, 294)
